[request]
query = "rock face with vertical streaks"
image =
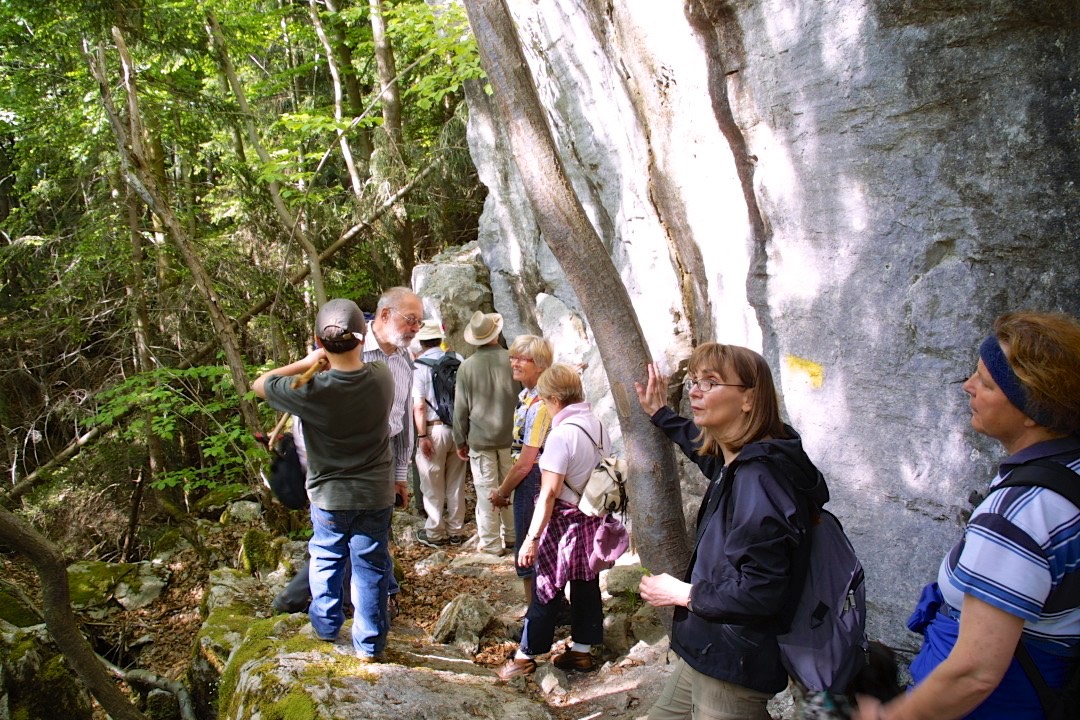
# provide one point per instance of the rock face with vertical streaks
(854, 188)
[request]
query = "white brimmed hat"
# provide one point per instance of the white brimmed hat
(430, 330)
(483, 328)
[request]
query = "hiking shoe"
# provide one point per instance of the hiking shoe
(423, 538)
(365, 659)
(571, 660)
(516, 667)
(457, 539)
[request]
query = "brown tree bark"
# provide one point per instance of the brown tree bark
(136, 170)
(655, 495)
(59, 619)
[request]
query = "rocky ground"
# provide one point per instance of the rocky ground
(624, 686)
(160, 637)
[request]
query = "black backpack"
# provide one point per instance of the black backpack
(287, 476)
(1061, 703)
(443, 382)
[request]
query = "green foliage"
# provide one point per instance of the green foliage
(199, 401)
(68, 274)
(440, 37)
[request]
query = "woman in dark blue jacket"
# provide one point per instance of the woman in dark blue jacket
(728, 604)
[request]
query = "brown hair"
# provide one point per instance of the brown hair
(733, 363)
(1044, 352)
(561, 382)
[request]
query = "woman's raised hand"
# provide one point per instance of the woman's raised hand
(652, 395)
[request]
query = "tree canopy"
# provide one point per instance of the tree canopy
(235, 169)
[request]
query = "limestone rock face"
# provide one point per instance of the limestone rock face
(854, 188)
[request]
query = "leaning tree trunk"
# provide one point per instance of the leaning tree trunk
(656, 504)
(56, 607)
(217, 39)
(136, 172)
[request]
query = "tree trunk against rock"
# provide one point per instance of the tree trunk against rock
(656, 504)
(56, 608)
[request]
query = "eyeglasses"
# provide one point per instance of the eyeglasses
(520, 359)
(409, 319)
(705, 385)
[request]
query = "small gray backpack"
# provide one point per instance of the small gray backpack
(825, 646)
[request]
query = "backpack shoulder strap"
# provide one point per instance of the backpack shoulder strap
(427, 362)
(1045, 474)
(1054, 476)
(599, 452)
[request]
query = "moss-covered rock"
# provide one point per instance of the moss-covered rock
(259, 553)
(95, 585)
(14, 611)
(36, 680)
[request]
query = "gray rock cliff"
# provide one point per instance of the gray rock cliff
(855, 188)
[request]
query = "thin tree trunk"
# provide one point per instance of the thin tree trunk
(388, 86)
(655, 495)
(353, 93)
(393, 163)
(331, 63)
(134, 164)
(144, 363)
(56, 607)
(217, 38)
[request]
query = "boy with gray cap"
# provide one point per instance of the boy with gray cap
(348, 478)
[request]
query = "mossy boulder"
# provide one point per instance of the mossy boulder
(15, 612)
(35, 680)
(260, 553)
(96, 586)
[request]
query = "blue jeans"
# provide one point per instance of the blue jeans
(338, 537)
(524, 505)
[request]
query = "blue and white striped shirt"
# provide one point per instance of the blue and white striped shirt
(1021, 553)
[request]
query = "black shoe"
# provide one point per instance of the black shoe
(457, 539)
(423, 538)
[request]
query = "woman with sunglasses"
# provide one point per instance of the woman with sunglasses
(728, 603)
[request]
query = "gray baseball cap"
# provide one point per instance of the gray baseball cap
(338, 319)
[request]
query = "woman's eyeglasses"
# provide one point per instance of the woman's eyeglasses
(705, 385)
(520, 359)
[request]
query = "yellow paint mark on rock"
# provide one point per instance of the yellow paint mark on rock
(814, 372)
